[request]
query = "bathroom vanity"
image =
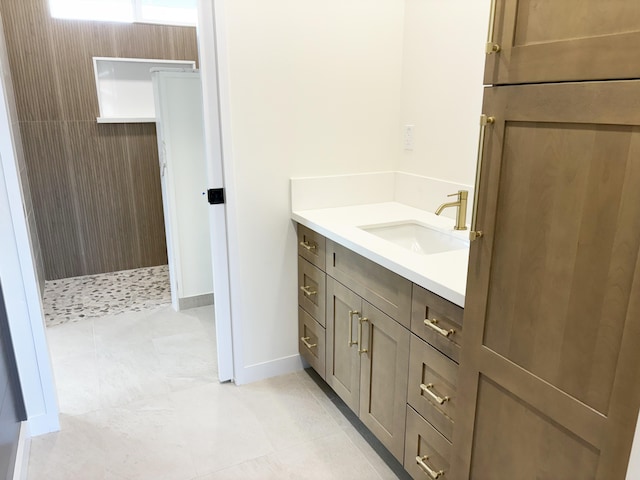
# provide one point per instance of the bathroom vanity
(380, 302)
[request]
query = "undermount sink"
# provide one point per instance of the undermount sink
(416, 237)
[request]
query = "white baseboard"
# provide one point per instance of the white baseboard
(186, 303)
(273, 368)
(21, 466)
(45, 423)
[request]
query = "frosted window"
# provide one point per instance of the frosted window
(170, 12)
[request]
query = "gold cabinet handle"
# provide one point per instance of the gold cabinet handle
(307, 245)
(432, 324)
(362, 320)
(305, 340)
(307, 291)
(474, 234)
(351, 314)
(492, 47)
(428, 389)
(427, 469)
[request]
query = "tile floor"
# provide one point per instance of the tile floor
(140, 400)
(74, 299)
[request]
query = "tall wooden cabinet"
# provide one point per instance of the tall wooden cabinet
(549, 378)
(537, 41)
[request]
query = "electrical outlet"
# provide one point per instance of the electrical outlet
(408, 137)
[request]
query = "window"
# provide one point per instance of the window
(170, 12)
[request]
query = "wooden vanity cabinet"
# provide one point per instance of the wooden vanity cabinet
(311, 298)
(367, 363)
(569, 40)
(390, 377)
(549, 383)
(432, 398)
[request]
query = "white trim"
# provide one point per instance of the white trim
(213, 70)
(272, 368)
(19, 280)
(21, 466)
(125, 119)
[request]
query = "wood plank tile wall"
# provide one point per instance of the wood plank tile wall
(95, 187)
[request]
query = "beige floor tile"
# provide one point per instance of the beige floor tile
(77, 452)
(71, 339)
(143, 441)
(219, 429)
(130, 375)
(187, 359)
(332, 457)
(77, 383)
(287, 411)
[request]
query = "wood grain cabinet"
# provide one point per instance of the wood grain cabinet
(432, 388)
(311, 298)
(367, 364)
(549, 382)
(402, 385)
(569, 40)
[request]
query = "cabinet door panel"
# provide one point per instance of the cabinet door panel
(311, 290)
(379, 286)
(311, 341)
(342, 359)
(548, 41)
(384, 377)
(553, 296)
(311, 246)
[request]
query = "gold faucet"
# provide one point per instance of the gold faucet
(461, 213)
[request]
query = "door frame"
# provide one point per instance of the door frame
(212, 64)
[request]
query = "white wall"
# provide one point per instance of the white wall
(18, 273)
(313, 89)
(443, 64)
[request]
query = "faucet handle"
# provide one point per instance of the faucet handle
(460, 194)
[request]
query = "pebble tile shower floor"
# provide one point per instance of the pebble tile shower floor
(72, 299)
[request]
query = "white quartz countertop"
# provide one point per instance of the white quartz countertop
(444, 274)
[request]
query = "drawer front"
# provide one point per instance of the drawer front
(382, 288)
(426, 452)
(433, 380)
(311, 290)
(311, 338)
(437, 321)
(311, 246)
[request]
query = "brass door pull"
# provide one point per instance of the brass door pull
(306, 245)
(307, 291)
(433, 325)
(360, 322)
(428, 389)
(427, 469)
(492, 47)
(305, 340)
(485, 120)
(351, 314)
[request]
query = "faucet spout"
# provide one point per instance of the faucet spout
(461, 213)
(446, 205)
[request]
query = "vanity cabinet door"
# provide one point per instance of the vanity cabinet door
(342, 358)
(551, 40)
(384, 346)
(549, 378)
(379, 286)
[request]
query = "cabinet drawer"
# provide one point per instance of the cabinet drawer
(433, 379)
(437, 321)
(311, 341)
(425, 449)
(382, 288)
(311, 246)
(311, 290)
